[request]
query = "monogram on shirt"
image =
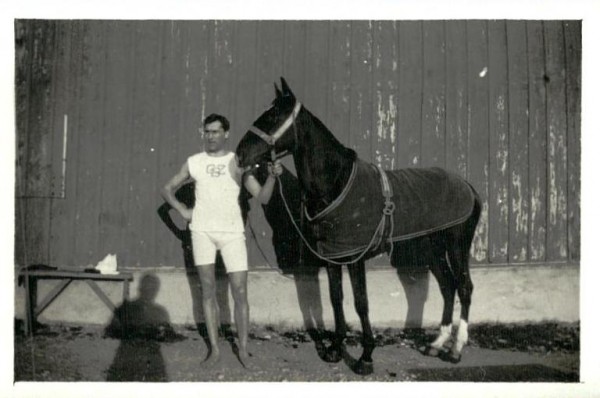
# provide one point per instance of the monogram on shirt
(215, 170)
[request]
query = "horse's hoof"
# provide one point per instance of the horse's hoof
(450, 356)
(363, 368)
(431, 351)
(332, 356)
(454, 357)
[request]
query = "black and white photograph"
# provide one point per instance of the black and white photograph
(221, 198)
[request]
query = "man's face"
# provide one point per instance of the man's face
(214, 136)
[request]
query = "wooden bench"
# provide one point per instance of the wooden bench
(31, 277)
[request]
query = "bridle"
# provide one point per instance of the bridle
(271, 139)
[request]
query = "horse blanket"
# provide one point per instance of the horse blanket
(426, 200)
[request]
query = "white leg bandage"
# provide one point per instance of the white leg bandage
(462, 335)
(443, 337)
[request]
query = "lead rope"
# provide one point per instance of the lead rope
(255, 236)
(262, 252)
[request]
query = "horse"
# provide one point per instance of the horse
(325, 169)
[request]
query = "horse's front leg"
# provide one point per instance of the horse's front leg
(358, 279)
(336, 295)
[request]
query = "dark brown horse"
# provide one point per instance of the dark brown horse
(328, 176)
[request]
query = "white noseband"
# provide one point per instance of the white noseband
(271, 139)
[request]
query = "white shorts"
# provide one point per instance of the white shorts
(232, 246)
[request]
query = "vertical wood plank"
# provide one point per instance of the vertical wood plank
(499, 140)
(456, 97)
(433, 137)
(39, 154)
(294, 51)
(295, 33)
(23, 54)
(196, 78)
(360, 100)
(62, 229)
(143, 182)
(221, 75)
(113, 218)
(90, 133)
(20, 243)
(171, 97)
(518, 138)
(410, 97)
(269, 66)
(557, 141)
(245, 75)
(573, 86)
(385, 95)
(340, 65)
(316, 78)
(23, 50)
(537, 141)
(34, 51)
(32, 246)
(58, 104)
(478, 122)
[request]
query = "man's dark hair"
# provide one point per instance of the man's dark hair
(213, 117)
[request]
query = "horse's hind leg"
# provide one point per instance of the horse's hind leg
(459, 239)
(459, 260)
(361, 304)
(443, 273)
(336, 295)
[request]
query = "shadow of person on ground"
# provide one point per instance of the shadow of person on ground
(293, 259)
(185, 194)
(141, 325)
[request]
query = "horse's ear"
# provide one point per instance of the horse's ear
(277, 91)
(286, 89)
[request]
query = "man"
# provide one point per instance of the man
(216, 224)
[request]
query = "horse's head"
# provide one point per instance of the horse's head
(273, 130)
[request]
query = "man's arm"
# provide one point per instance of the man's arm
(168, 192)
(264, 193)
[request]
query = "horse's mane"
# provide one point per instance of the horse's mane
(329, 138)
(334, 166)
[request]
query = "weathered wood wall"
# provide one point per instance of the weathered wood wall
(496, 101)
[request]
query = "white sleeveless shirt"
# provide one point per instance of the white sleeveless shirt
(217, 189)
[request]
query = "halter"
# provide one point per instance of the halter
(272, 138)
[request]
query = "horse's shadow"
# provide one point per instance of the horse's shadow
(293, 259)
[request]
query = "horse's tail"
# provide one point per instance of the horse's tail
(473, 219)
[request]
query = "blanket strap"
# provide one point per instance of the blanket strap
(388, 210)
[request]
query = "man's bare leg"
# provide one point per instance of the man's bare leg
(239, 291)
(210, 307)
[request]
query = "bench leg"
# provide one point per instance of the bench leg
(125, 317)
(62, 285)
(101, 295)
(30, 301)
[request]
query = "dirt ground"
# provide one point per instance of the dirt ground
(541, 352)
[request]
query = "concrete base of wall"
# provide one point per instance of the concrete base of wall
(502, 294)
